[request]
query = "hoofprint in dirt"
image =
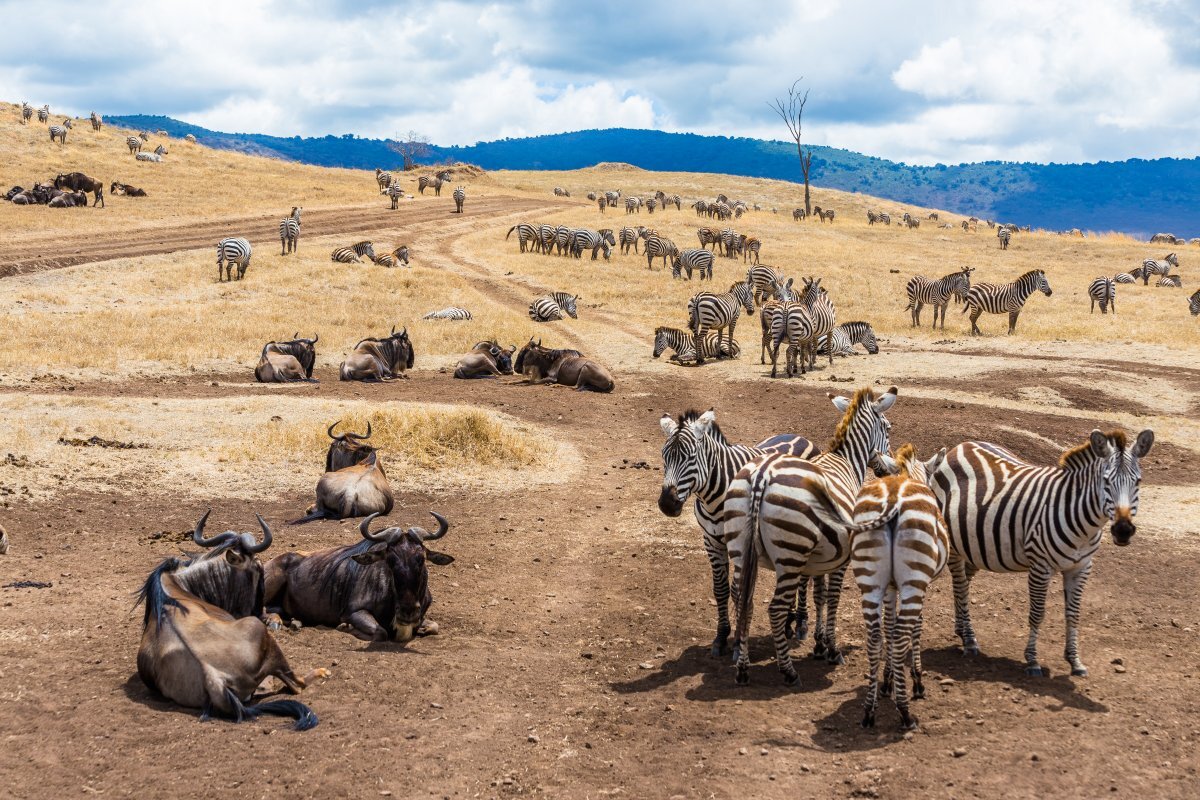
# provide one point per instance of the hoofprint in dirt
(572, 659)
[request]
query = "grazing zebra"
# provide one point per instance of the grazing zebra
(44, 114)
(1194, 303)
(97, 121)
(657, 246)
(893, 564)
(731, 242)
(798, 215)
(452, 313)
(611, 198)
(135, 145)
(26, 113)
(693, 258)
(698, 460)
(1003, 234)
(922, 291)
(1007, 515)
(460, 197)
(1001, 298)
(708, 236)
(750, 246)
(1127, 277)
(885, 218)
(633, 205)
(764, 279)
(396, 258)
(629, 238)
(651, 204)
(708, 311)
(58, 132)
(1173, 281)
(672, 199)
(289, 232)
(434, 183)
(527, 236)
(794, 514)
(585, 239)
(1103, 291)
(561, 192)
(233, 251)
(592, 196)
(1152, 267)
(721, 210)
(933, 216)
(190, 138)
(353, 254)
(395, 193)
(684, 345)
(701, 207)
(553, 306)
(845, 336)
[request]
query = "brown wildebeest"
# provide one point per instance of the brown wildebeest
(379, 359)
(378, 588)
(347, 449)
(355, 491)
(486, 360)
(126, 189)
(564, 367)
(287, 362)
(79, 182)
(69, 200)
(3, 540)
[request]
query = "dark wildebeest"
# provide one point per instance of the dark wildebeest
(3, 540)
(286, 362)
(347, 449)
(79, 182)
(379, 359)
(69, 200)
(13, 192)
(378, 588)
(564, 367)
(126, 189)
(355, 491)
(486, 360)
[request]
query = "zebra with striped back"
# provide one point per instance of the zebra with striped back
(586, 239)
(453, 313)
(231, 251)
(546, 234)
(44, 114)
(289, 232)
(383, 179)
(693, 259)
(659, 246)
(633, 205)
(563, 236)
(135, 145)
(553, 306)
(841, 340)
(460, 197)
(561, 192)
(354, 253)
(1003, 234)
(922, 291)
(58, 132)
(750, 247)
(804, 329)
(434, 183)
(1171, 281)
(1103, 290)
(730, 242)
(396, 258)
(394, 193)
(527, 236)
(798, 215)
(26, 113)
(698, 460)
(1158, 267)
(777, 300)
(1004, 298)
(721, 210)
(701, 207)
(708, 236)
(1007, 515)
(708, 311)
(602, 203)
(794, 514)
(872, 217)
(68, 123)
(1194, 303)
(885, 218)
(672, 200)
(629, 238)
(684, 345)
(893, 564)
(611, 198)
(651, 204)
(1127, 277)
(763, 278)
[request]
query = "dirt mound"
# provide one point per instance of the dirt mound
(464, 170)
(616, 166)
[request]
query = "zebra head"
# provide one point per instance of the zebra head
(1043, 285)
(864, 431)
(867, 339)
(1173, 260)
(960, 284)
(783, 291)
(661, 343)
(1121, 476)
(744, 293)
(685, 467)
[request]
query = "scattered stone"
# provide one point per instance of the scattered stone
(764, 751)
(435, 705)
(1034, 757)
(645, 665)
(1119, 669)
(946, 682)
(741, 751)
(532, 738)
(1117, 661)
(958, 752)
(908, 736)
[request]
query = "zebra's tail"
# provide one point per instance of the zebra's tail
(694, 316)
(510, 230)
(750, 557)
(834, 515)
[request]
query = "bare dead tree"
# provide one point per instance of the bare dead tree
(791, 111)
(413, 146)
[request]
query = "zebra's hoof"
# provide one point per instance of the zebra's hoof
(720, 646)
(918, 692)
(907, 721)
(802, 631)
(868, 720)
(790, 677)
(1079, 672)
(971, 649)
(1037, 671)
(835, 657)
(743, 676)
(819, 651)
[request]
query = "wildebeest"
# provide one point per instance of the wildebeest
(13, 192)
(355, 491)
(284, 362)
(80, 182)
(378, 588)
(347, 449)
(379, 359)
(565, 367)
(126, 189)
(69, 200)
(3, 540)
(486, 360)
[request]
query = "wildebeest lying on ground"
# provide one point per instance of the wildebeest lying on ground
(126, 189)
(565, 367)
(379, 359)
(13, 192)
(202, 653)
(287, 362)
(378, 588)
(347, 449)
(486, 360)
(3, 540)
(79, 182)
(41, 194)
(355, 491)
(68, 200)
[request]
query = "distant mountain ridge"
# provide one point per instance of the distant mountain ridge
(1138, 196)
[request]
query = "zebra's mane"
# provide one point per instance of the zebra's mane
(691, 415)
(905, 454)
(1082, 455)
(839, 436)
(1030, 273)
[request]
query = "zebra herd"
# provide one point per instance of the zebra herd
(810, 515)
(562, 240)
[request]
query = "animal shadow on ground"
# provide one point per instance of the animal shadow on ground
(142, 694)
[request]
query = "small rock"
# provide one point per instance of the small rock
(1034, 757)
(1118, 668)
(741, 751)
(958, 752)
(908, 736)
(645, 665)
(532, 738)
(1175, 623)
(385, 792)
(764, 751)
(435, 705)
(1117, 661)
(946, 682)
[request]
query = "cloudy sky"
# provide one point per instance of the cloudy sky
(1038, 80)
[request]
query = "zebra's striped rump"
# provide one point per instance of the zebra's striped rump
(231, 251)
(1194, 303)
(1103, 290)
(450, 313)
(353, 254)
(684, 345)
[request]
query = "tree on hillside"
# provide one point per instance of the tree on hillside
(413, 146)
(791, 111)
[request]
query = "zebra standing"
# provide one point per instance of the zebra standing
(1154, 267)
(1194, 303)
(26, 113)
(585, 239)
(434, 183)
(684, 345)
(58, 132)
(651, 204)
(1001, 298)
(383, 179)
(721, 210)
(798, 215)
(135, 145)
(353, 254)
(708, 236)
(885, 218)
(922, 291)
(701, 207)
(708, 311)
(289, 232)
(764, 279)
(97, 121)
(561, 192)
(693, 258)
(841, 340)
(794, 514)
(1127, 277)
(730, 242)
(750, 247)
(611, 198)
(453, 313)
(672, 199)
(553, 306)
(527, 236)
(1103, 291)
(460, 197)
(633, 205)
(563, 236)
(602, 203)
(394, 192)
(802, 323)
(1003, 234)
(230, 251)
(44, 114)
(698, 460)
(1007, 515)
(629, 238)
(659, 246)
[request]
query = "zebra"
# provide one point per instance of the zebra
(750, 246)
(453, 313)
(798, 215)
(97, 121)
(672, 199)
(708, 236)
(794, 514)
(651, 204)
(561, 192)
(460, 197)
(693, 258)
(885, 218)
(435, 183)
(933, 215)
(721, 210)
(602, 203)
(763, 278)
(633, 205)
(563, 237)
(1007, 515)
(144, 136)
(611, 198)
(527, 236)
(1008, 297)
(230, 251)
(922, 291)
(730, 243)
(394, 192)
(353, 253)
(384, 179)
(802, 322)
(1103, 291)
(154, 157)
(546, 236)
(58, 132)
(893, 564)
(778, 295)
(1003, 234)
(44, 114)
(657, 246)
(684, 345)
(289, 232)
(872, 217)
(553, 306)
(1173, 281)
(135, 145)
(161, 150)
(26, 113)
(1127, 277)
(1152, 267)
(701, 207)
(629, 238)
(68, 124)
(396, 258)
(845, 336)
(585, 239)
(1194, 303)
(698, 460)
(825, 215)
(708, 311)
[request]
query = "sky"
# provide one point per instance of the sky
(923, 83)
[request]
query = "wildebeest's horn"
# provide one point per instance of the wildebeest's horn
(198, 533)
(316, 338)
(393, 331)
(296, 335)
(364, 528)
(443, 526)
(367, 435)
(329, 431)
(266, 541)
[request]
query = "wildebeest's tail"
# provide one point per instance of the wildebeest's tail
(152, 594)
(304, 716)
(311, 516)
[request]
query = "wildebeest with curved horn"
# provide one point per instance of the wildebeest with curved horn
(378, 587)
(287, 362)
(379, 359)
(486, 360)
(347, 449)
(123, 188)
(354, 491)
(79, 182)
(542, 365)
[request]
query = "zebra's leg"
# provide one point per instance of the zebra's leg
(975, 312)
(781, 604)
(718, 559)
(900, 645)
(889, 634)
(961, 573)
(797, 624)
(1073, 583)
(836, 580)
(818, 583)
(872, 600)
(916, 314)
(1039, 581)
(918, 690)
(698, 342)
(1012, 321)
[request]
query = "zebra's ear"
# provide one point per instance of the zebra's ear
(668, 425)
(1144, 441)
(887, 401)
(708, 418)
(1101, 446)
(839, 402)
(935, 461)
